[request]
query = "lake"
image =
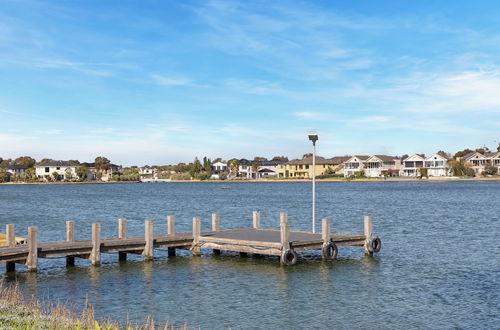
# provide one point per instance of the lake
(439, 266)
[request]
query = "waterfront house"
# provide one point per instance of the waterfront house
(337, 163)
(66, 170)
(477, 161)
(268, 169)
(353, 165)
(495, 160)
(302, 168)
(148, 172)
(16, 170)
(381, 165)
(244, 167)
(411, 165)
(437, 165)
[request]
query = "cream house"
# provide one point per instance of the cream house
(380, 165)
(354, 164)
(411, 165)
(65, 170)
(437, 165)
(477, 161)
(495, 160)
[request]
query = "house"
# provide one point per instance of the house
(218, 167)
(353, 165)
(16, 170)
(338, 164)
(148, 171)
(381, 165)
(267, 169)
(437, 165)
(495, 160)
(411, 165)
(477, 161)
(105, 175)
(65, 170)
(302, 168)
(245, 167)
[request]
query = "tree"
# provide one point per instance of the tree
(102, 164)
(444, 154)
(81, 171)
(307, 155)
(195, 167)
(30, 174)
(490, 169)
(74, 162)
(280, 158)
(234, 165)
(218, 159)
(4, 175)
(483, 150)
(55, 175)
(25, 161)
(260, 159)
(255, 167)
(404, 156)
(44, 160)
(423, 172)
(6, 161)
(463, 153)
(498, 148)
(207, 165)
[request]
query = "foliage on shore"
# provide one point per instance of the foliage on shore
(18, 313)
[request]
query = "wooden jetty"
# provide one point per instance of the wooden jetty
(256, 240)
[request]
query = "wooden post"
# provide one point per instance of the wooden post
(171, 225)
(171, 231)
(122, 234)
(285, 231)
(196, 236)
(32, 260)
(70, 237)
(149, 238)
(10, 232)
(215, 222)
(95, 255)
(368, 233)
(326, 230)
(256, 220)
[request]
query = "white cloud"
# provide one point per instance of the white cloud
(256, 87)
(169, 81)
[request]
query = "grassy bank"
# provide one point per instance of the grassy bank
(16, 312)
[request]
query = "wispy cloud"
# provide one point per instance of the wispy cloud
(170, 81)
(257, 87)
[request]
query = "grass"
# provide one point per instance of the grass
(16, 312)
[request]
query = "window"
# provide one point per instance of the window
(58, 168)
(47, 170)
(307, 167)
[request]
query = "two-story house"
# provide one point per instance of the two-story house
(353, 165)
(302, 168)
(437, 165)
(65, 170)
(411, 165)
(477, 161)
(381, 165)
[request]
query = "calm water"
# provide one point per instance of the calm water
(439, 266)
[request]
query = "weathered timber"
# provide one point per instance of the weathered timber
(122, 234)
(95, 254)
(368, 233)
(70, 237)
(171, 231)
(149, 238)
(10, 231)
(32, 260)
(256, 219)
(196, 249)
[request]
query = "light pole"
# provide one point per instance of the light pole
(313, 137)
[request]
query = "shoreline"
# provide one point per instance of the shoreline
(398, 179)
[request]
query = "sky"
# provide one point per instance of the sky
(162, 82)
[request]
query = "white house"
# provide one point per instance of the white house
(15, 169)
(148, 171)
(218, 167)
(437, 165)
(477, 161)
(245, 167)
(495, 160)
(411, 165)
(65, 170)
(268, 169)
(354, 164)
(378, 165)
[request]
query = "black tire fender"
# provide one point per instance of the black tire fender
(329, 251)
(374, 244)
(289, 257)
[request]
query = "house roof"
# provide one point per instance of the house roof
(422, 156)
(14, 167)
(472, 154)
(386, 158)
(272, 163)
(244, 161)
(337, 160)
(266, 170)
(57, 163)
(359, 157)
(308, 161)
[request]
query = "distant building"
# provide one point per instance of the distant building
(65, 170)
(267, 169)
(411, 165)
(245, 167)
(302, 168)
(219, 167)
(15, 169)
(437, 165)
(354, 164)
(148, 171)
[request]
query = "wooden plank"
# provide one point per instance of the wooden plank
(95, 255)
(148, 252)
(122, 228)
(326, 230)
(196, 236)
(256, 219)
(284, 231)
(242, 248)
(215, 222)
(70, 237)
(10, 231)
(32, 260)
(219, 240)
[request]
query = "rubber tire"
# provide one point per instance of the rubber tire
(374, 244)
(327, 248)
(289, 257)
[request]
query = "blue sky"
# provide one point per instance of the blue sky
(158, 82)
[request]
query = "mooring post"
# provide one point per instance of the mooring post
(368, 233)
(122, 234)
(326, 230)
(171, 232)
(32, 260)
(70, 237)
(285, 231)
(215, 222)
(256, 220)
(196, 236)
(10, 231)
(149, 238)
(95, 255)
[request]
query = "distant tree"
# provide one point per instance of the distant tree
(74, 162)
(307, 155)
(404, 156)
(45, 160)
(55, 175)
(30, 174)
(255, 167)
(462, 153)
(25, 161)
(498, 148)
(260, 159)
(218, 159)
(280, 158)
(207, 165)
(233, 165)
(102, 164)
(81, 171)
(195, 167)
(6, 161)
(222, 176)
(444, 154)
(423, 172)
(1, 160)
(5, 176)
(490, 169)
(483, 150)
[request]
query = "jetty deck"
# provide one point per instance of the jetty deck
(283, 242)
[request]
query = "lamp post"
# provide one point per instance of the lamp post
(313, 137)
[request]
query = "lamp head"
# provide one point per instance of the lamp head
(313, 137)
